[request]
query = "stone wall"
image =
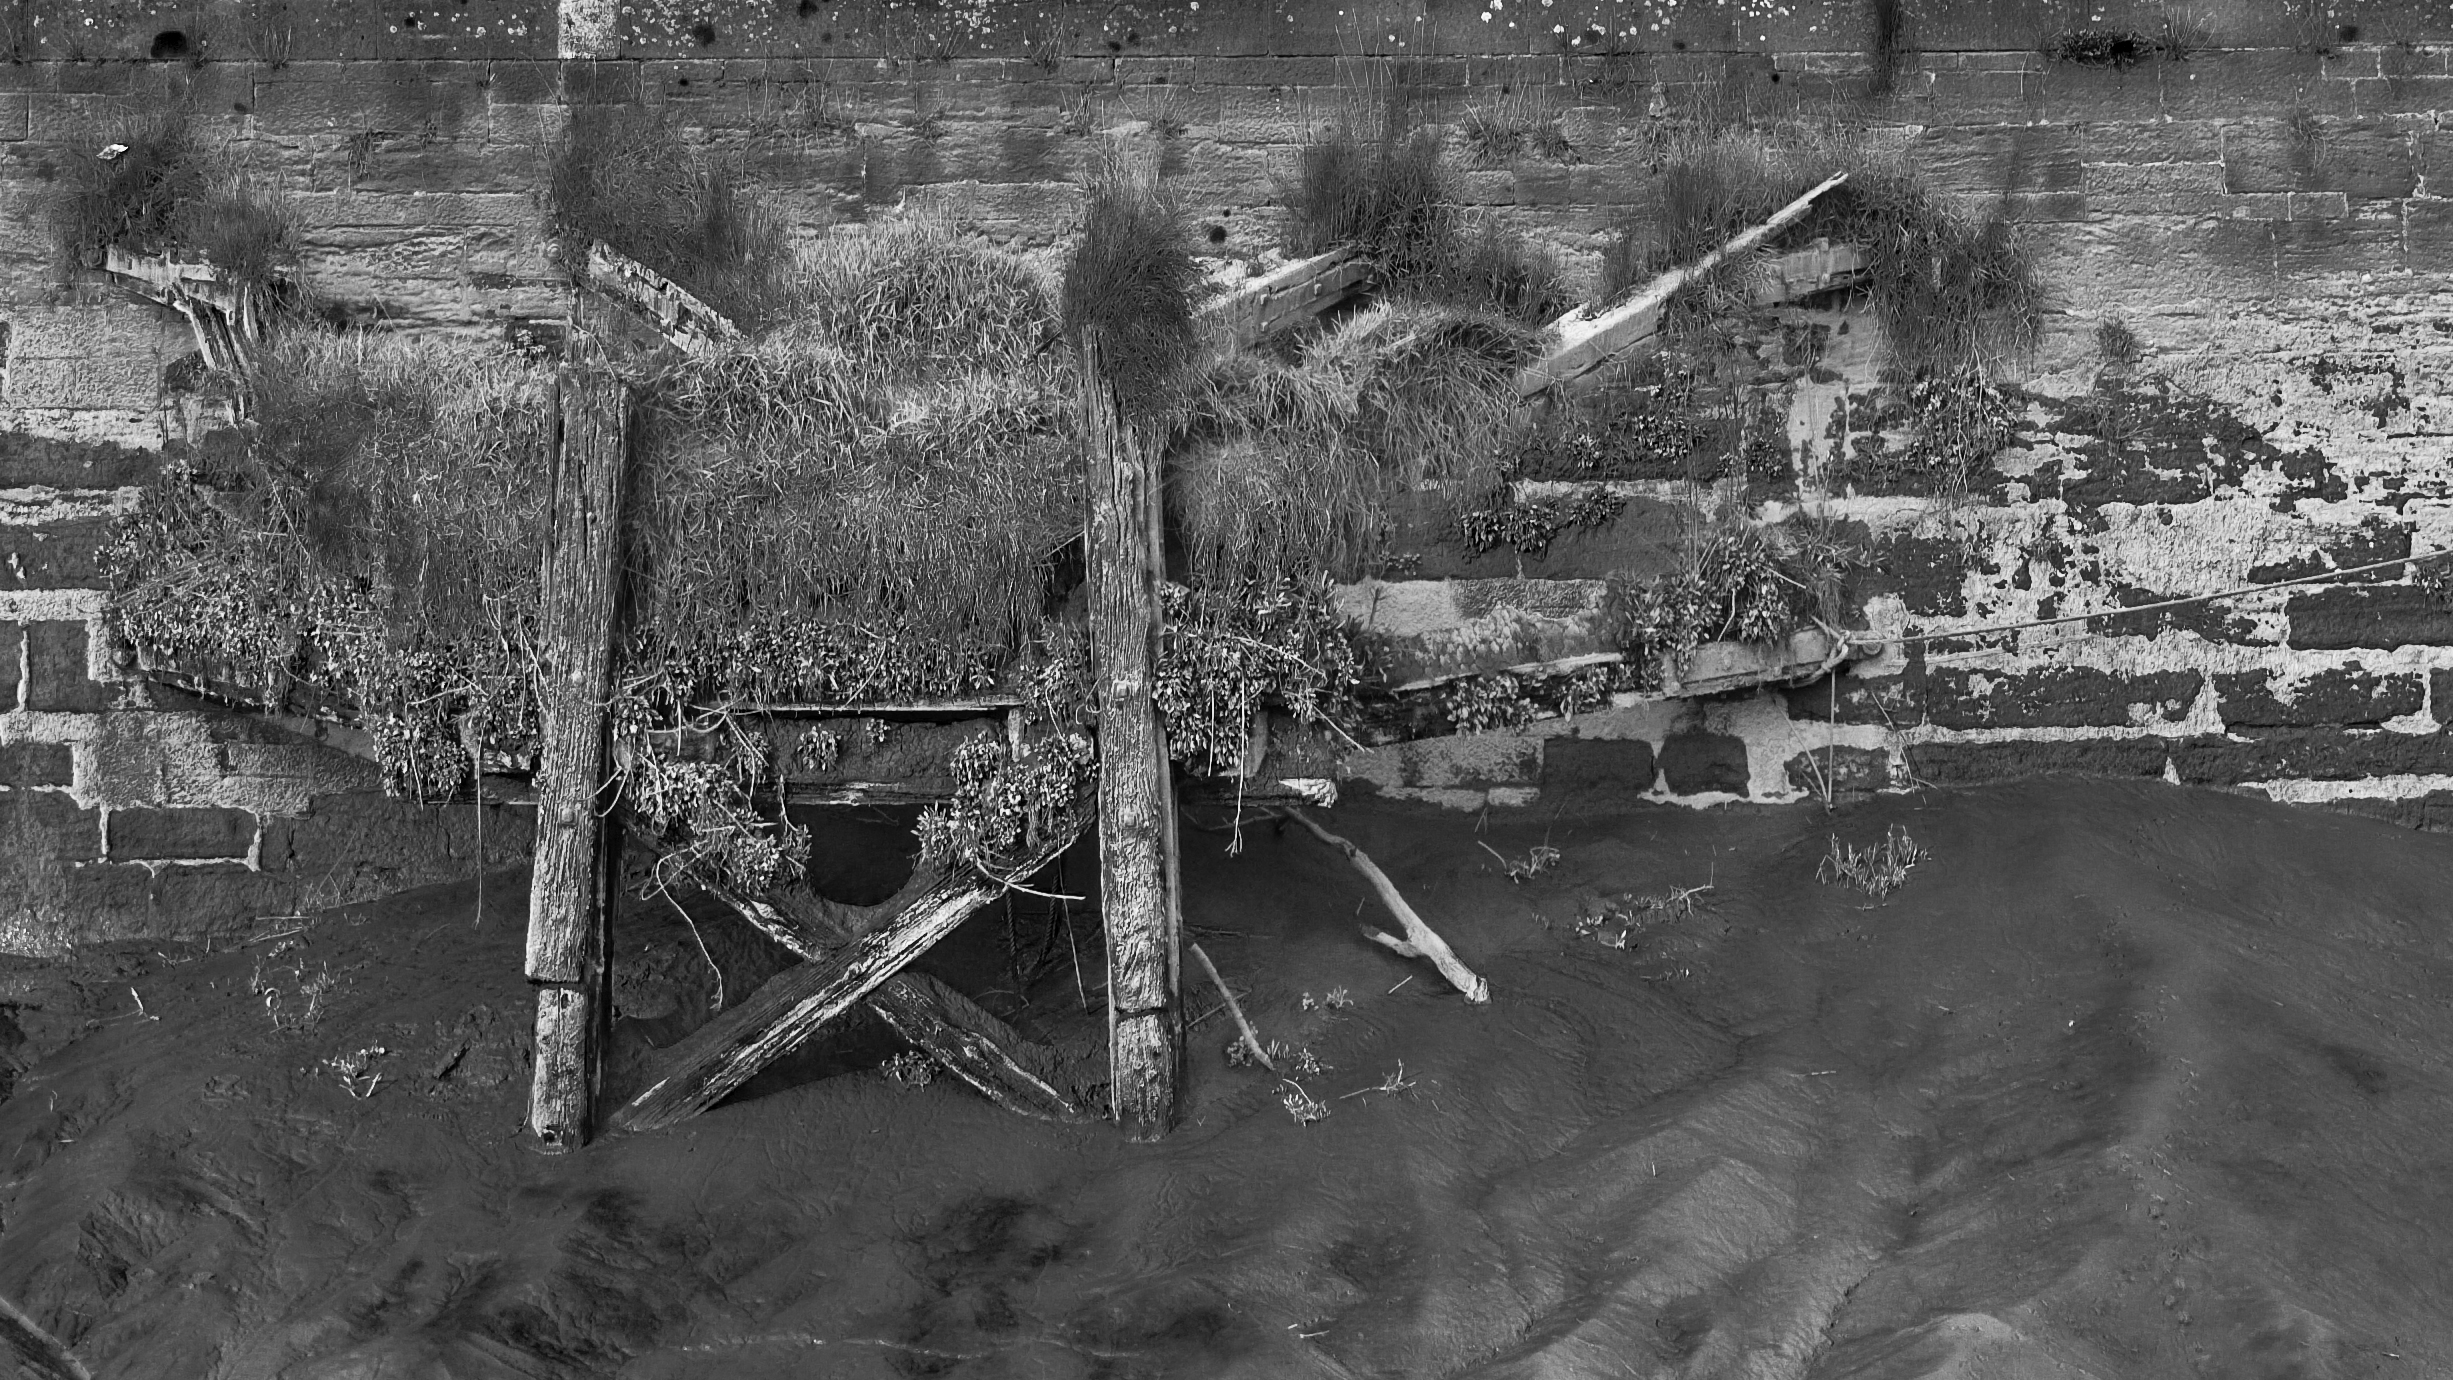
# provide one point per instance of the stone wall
(2270, 216)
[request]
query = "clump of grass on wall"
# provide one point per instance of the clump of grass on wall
(1955, 290)
(1128, 291)
(623, 176)
(1378, 182)
(1302, 466)
(2098, 46)
(167, 192)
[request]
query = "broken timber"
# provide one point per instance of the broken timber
(221, 316)
(717, 1058)
(676, 312)
(1420, 941)
(577, 604)
(1138, 891)
(38, 1354)
(1587, 339)
(1288, 296)
(969, 1041)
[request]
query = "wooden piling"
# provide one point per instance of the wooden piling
(1137, 872)
(570, 882)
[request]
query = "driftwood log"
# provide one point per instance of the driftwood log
(1420, 940)
(708, 1064)
(581, 592)
(1252, 1039)
(38, 1354)
(1136, 820)
(967, 1039)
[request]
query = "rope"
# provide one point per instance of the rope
(1877, 638)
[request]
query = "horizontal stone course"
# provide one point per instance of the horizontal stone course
(2382, 617)
(1571, 764)
(2349, 695)
(41, 828)
(56, 669)
(1967, 764)
(2056, 697)
(2318, 754)
(36, 764)
(139, 835)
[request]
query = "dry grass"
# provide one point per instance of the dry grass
(622, 175)
(1298, 466)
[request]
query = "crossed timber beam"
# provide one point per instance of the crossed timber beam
(711, 1062)
(1287, 297)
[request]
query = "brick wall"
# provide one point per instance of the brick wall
(2271, 216)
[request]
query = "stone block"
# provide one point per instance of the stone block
(39, 824)
(2057, 697)
(56, 669)
(2317, 754)
(1597, 764)
(2347, 695)
(1694, 761)
(1840, 771)
(52, 555)
(27, 460)
(36, 764)
(141, 835)
(2002, 158)
(1852, 699)
(192, 902)
(1967, 764)
(2368, 616)
(12, 655)
(2363, 159)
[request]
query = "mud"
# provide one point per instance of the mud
(2124, 1080)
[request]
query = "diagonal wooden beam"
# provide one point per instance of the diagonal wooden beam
(709, 1063)
(973, 1045)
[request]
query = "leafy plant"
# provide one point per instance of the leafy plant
(1739, 582)
(1227, 653)
(1531, 526)
(621, 175)
(1517, 122)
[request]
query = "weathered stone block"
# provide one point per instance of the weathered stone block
(1694, 761)
(37, 764)
(191, 902)
(12, 654)
(1597, 764)
(2057, 697)
(48, 825)
(1852, 699)
(142, 835)
(2348, 695)
(56, 668)
(28, 460)
(2321, 754)
(2380, 616)
(1840, 770)
(2365, 159)
(52, 555)
(2004, 158)
(1966, 764)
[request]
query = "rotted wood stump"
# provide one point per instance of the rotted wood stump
(572, 874)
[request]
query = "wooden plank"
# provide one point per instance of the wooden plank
(674, 310)
(1287, 296)
(1587, 340)
(577, 607)
(711, 1062)
(968, 1040)
(1819, 267)
(1136, 804)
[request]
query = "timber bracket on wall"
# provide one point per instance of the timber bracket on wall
(222, 315)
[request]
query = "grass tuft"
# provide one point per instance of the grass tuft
(623, 176)
(1128, 290)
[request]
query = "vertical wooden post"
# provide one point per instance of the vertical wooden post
(576, 627)
(1137, 873)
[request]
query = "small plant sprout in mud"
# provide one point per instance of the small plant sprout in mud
(1394, 1083)
(1618, 921)
(1276, 1055)
(1876, 869)
(909, 1070)
(1536, 861)
(1301, 1105)
(1335, 999)
(356, 1071)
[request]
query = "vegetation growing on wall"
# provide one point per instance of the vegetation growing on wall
(1378, 182)
(166, 192)
(622, 175)
(1738, 581)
